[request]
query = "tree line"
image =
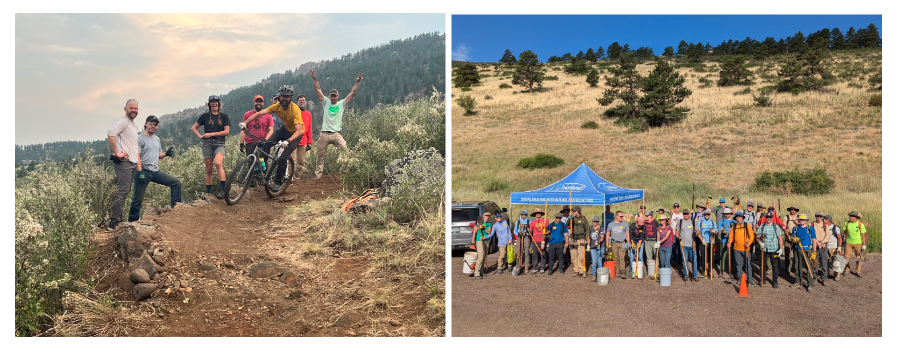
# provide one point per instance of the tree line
(397, 72)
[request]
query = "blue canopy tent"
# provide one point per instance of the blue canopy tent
(581, 187)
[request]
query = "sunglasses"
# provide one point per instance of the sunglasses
(152, 123)
(333, 95)
(214, 98)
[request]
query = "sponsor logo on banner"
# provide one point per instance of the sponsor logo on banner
(625, 197)
(568, 186)
(607, 186)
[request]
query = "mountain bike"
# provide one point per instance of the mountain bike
(250, 171)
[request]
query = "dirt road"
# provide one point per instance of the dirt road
(539, 305)
(215, 247)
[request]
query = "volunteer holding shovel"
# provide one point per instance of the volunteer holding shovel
(771, 240)
(855, 241)
(537, 228)
(482, 229)
(596, 245)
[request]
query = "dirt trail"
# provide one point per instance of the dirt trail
(540, 305)
(215, 246)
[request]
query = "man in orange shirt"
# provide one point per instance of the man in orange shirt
(742, 235)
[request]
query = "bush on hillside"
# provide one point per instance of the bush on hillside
(468, 103)
(802, 182)
(504, 86)
(762, 100)
(540, 161)
(875, 100)
(590, 125)
(495, 185)
(415, 184)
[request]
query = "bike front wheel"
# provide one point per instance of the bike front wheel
(239, 181)
(269, 178)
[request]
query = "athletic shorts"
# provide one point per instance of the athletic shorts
(211, 147)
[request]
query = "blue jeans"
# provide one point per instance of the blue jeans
(141, 187)
(664, 254)
(597, 255)
(632, 252)
(689, 254)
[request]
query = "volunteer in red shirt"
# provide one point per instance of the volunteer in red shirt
(537, 226)
(305, 142)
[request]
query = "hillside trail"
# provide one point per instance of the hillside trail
(205, 288)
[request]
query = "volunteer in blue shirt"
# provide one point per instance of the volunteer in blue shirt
(501, 230)
(706, 229)
(804, 237)
(723, 229)
(555, 232)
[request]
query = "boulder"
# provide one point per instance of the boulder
(348, 319)
(287, 277)
(129, 242)
(146, 263)
(161, 255)
(265, 270)
(139, 276)
(124, 281)
(143, 290)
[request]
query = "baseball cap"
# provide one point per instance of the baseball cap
(152, 118)
(259, 97)
(677, 204)
(334, 91)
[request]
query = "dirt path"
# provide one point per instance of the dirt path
(539, 305)
(216, 245)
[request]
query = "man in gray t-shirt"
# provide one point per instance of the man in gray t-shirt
(618, 233)
(685, 230)
(122, 137)
(148, 169)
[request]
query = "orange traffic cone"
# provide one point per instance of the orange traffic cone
(743, 288)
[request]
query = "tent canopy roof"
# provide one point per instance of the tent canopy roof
(581, 187)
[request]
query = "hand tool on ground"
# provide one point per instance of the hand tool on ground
(638, 245)
(711, 256)
(801, 247)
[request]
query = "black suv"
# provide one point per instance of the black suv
(466, 213)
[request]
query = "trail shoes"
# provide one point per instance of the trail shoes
(499, 272)
(795, 285)
(220, 195)
(480, 277)
(776, 285)
(753, 284)
(542, 271)
(810, 289)
(858, 275)
(276, 187)
(595, 279)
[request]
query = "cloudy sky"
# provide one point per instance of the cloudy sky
(74, 72)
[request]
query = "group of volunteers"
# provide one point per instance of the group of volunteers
(703, 243)
(136, 155)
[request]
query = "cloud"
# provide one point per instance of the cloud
(58, 49)
(461, 53)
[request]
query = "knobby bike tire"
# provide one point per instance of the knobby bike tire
(239, 179)
(272, 171)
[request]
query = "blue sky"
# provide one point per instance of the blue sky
(90, 64)
(482, 38)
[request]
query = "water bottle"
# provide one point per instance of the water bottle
(262, 161)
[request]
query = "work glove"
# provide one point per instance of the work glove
(309, 146)
(141, 177)
(542, 245)
(242, 148)
(864, 247)
(839, 250)
(813, 255)
(242, 125)
(170, 152)
(780, 252)
(283, 144)
(657, 245)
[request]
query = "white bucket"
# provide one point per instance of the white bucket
(839, 263)
(650, 267)
(602, 274)
(470, 261)
(639, 272)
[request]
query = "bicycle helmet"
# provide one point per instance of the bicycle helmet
(286, 90)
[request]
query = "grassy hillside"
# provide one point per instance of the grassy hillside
(724, 143)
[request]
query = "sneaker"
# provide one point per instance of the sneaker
(562, 273)
(623, 277)
(276, 187)
(776, 285)
(811, 289)
(480, 277)
(858, 275)
(542, 271)
(595, 278)
(795, 285)
(549, 274)
(220, 195)
(499, 272)
(752, 284)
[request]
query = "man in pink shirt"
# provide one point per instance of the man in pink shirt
(262, 127)
(305, 140)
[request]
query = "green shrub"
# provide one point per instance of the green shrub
(540, 161)
(551, 77)
(56, 209)
(590, 124)
(504, 86)
(417, 184)
(487, 97)
(803, 182)
(762, 100)
(466, 89)
(468, 103)
(495, 185)
(742, 92)
(875, 100)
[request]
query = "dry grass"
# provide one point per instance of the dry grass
(724, 143)
(83, 317)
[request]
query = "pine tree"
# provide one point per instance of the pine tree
(668, 51)
(626, 48)
(733, 71)
(805, 71)
(682, 48)
(528, 71)
(838, 39)
(600, 53)
(580, 56)
(590, 55)
(870, 38)
(662, 91)
(555, 59)
(614, 51)
(466, 75)
(850, 38)
(508, 57)
(568, 57)
(577, 67)
(798, 43)
(622, 86)
(593, 77)
(695, 52)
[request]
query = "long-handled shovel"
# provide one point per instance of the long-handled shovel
(685, 270)
(517, 269)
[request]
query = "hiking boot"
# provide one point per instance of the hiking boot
(811, 289)
(562, 273)
(776, 285)
(220, 195)
(623, 277)
(823, 283)
(542, 271)
(276, 187)
(752, 284)
(695, 279)
(795, 285)
(499, 271)
(479, 277)
(858, 275)
(595, 278)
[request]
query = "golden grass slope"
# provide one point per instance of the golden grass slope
(723, 144)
